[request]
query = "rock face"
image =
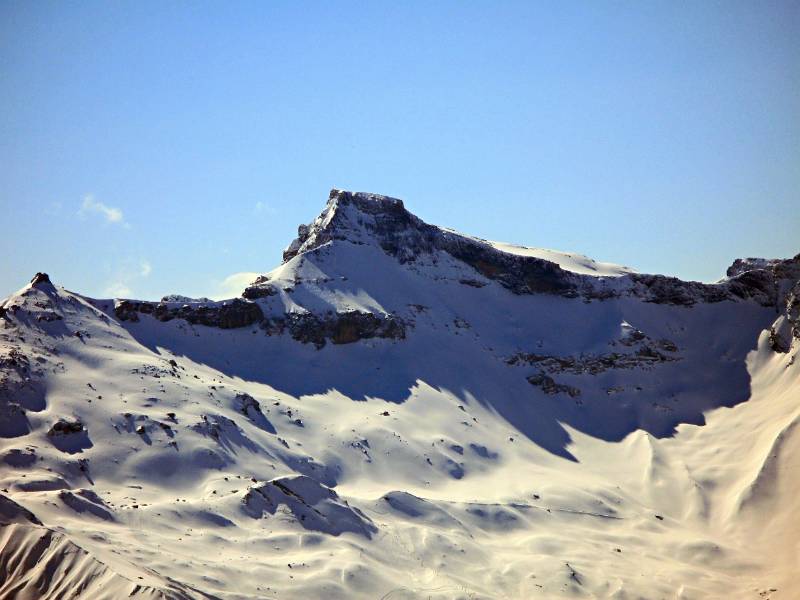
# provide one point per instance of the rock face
(20, 391)
(41, 282)
(225, 315)
(260, 288)
(793, 310)
(251, 408)
(785, 331)
(781, 280)
(338, 328)
(64, 427)
(520, 274)
(254, 292)
(646, 356)
(742, 265)
(645, 353)
(355, 216)
(314, 506)
(183, 299)
(247, 405)
(550, 386)
(40, 278)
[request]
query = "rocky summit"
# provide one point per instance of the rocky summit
(399, 410)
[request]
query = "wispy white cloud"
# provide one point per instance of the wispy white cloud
(118, 289)
(109, 213)
(53, 209)
(126, 276)
(262, 208)
(233, 285)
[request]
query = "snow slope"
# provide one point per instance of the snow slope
(577, 263)
(402, 411)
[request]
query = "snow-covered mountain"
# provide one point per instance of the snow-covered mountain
(402, 411)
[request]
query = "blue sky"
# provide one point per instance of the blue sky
(157, 147)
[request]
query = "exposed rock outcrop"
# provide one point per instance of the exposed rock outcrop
(645, 353)
(520, 274)
(40, 278)
(785, 331)
(361, 218)
(550, 386)
(183, 299)
(338, 328)
(595, 363)
(251, 408)
(21, 390)
(314, 505)
(65, 427)
(742, 265)
(260, 288)
(87, 502)
(230, 314)
(69, 436)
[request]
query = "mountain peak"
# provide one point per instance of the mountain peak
(41, 281)
(365, 201)
(361, 218)
(382, 223)
(40, 278)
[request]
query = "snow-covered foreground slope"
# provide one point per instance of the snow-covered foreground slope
(400, 411)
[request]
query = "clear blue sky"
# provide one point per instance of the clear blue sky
(157, 147)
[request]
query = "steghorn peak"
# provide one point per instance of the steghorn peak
(361, 217)
(382, 223)
(366, 201)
